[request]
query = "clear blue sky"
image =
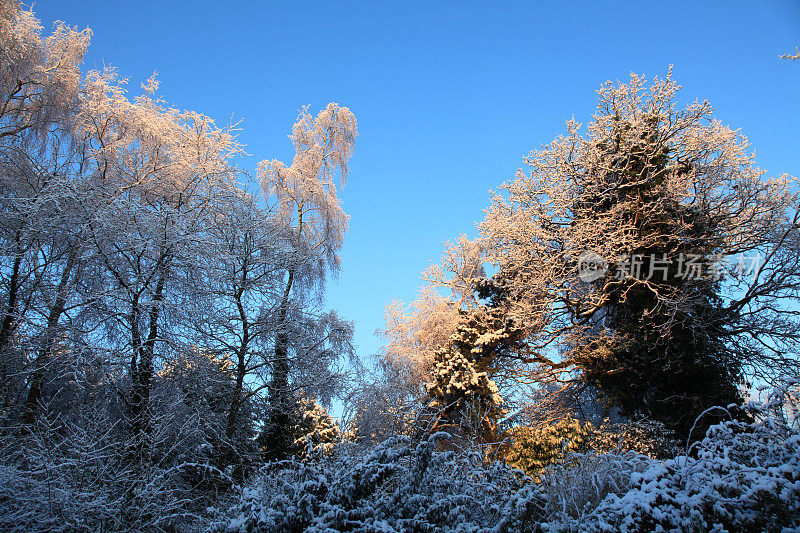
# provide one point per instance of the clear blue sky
(449, 96)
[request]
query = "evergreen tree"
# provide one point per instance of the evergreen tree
(314, 430)
(650, 358)
(465, 396)
(309, 431)
(618, 246)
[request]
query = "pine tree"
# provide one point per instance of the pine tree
(314, 431)
(309, 431)
(651, 359)
(466, 398)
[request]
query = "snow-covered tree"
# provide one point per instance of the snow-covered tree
(40, 172)
(192, 397)
(314, 431)
(41, 76)
(412, 336)
(650, 255)
(235, 290)
(158, 171)
(465, 400)
(304, 197)
(479, 353)
(416, 332)
(144, 294)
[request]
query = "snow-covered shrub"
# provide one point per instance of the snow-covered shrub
(572, 489)
(52, 481)
(576, 465)
(192, 398)
(396, 486)
(77, 476)
(534, 447)
(740, 477)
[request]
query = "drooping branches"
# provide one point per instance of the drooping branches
(304, 195)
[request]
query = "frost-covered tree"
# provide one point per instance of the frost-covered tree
(41, 76)
(649, 256)
(147, 301)
(465, 400)
(320, 344)
(40, 165)
(235, 290)
(412, 336)
(193, 394)
(463, 379)
(304, 197)
(60, 263)
(378, 409)
(158, 171)
(313, 430)
(444, 355)
(414, 333)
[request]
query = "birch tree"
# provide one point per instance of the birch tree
(39, 83)
(61, 262)
(235, 294)
(415, 332)
(305, 198)
(157, 169)
(40, 77)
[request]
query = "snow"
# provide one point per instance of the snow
(741, 476)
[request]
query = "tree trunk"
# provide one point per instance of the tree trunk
(48, 343)
(275, 436)
(142, 370)
(9, 325)
(241, 368)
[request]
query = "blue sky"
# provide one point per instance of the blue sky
(449, 95)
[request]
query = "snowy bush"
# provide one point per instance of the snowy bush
(646, 437)
(572, 489)
(76, 476)
(740, 477)
(49, 483)
(534, 447)
(743, 476)
(394, 487)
